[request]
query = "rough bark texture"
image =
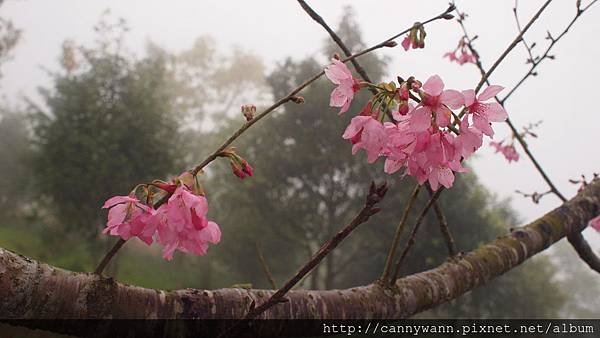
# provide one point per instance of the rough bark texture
(30, 289)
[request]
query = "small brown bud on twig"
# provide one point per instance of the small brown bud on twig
(337, 56)
(390, 44)
(297, 99)
(248, 110)
(374, 211)
(376, 193)
(447, 16)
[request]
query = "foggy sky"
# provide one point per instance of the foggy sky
(563, 95)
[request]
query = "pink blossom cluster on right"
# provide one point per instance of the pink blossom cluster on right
(464, 54)
(508, 150)
(419, 138)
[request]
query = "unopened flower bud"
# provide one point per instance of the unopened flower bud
(248, 110)
(447, 16)
(297, 99)
(237, 170)
(390, 44)
(239, 166)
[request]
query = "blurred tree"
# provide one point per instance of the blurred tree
(307, 185)
(109, 123)
(15, 156)
(13, 137)
(583, 299)
(9, 37)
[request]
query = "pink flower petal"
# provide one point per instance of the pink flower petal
(494, 112)
(453, 98)
(469, 96)
(116, 200)
(434, 85)
(490, 92)
(420, 119)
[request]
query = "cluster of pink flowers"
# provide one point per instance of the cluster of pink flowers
(415, 38)
(464, 54)
(239, 166)
(419, 138)
(179, 224)
(509, 151)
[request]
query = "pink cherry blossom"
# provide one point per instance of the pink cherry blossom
(181, 224)
(407, 43)
(439, 101)
(128, 217)
(595, 223)
(464, 57)
(434, 158)
(484, 113)
(470, 138)
(342, 95)
(400, 145)
(366, 133)
(418, 138)
(509, 151)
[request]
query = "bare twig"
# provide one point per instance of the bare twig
(546, 55)
(413, 233)
(315, 16)
(109, 255)
(511, 46)
(265, 267)
(375, 195)
(444, 227)
(525, 44)
(399, 229)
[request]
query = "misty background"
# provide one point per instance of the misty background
(99, 96)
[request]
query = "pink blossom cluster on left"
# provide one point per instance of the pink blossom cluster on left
(419, 136)
(179, 224)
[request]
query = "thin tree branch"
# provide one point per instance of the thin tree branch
(413, 234)
(264, 265)
(546, 54)
(445, 230)
(511, 46)
(399, 229)
(315, 16)
(375, 195)
(525, 44)
(109, 255)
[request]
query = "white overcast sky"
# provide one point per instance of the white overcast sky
(563, 95)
